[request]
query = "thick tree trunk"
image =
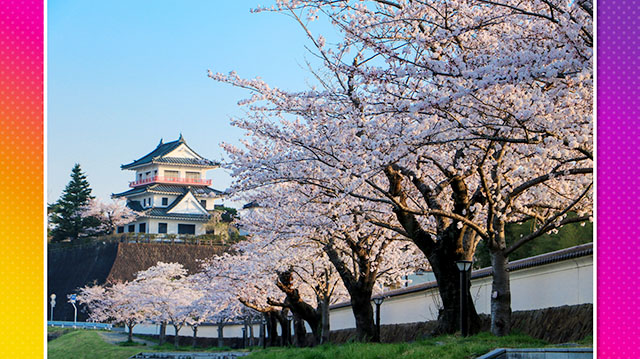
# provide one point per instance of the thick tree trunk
(130, 333)
(448, 279)
(441, 253)
(500, 295)
(220, 335)
(163, 333)
(363, 313)
(176, 337)
(195, 335)
(359, 287)
(272, 330)
(298, 306)
(326, 325)
(300, 332)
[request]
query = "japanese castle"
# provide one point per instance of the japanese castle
(170, 191)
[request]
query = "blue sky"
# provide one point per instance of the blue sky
(123, 74)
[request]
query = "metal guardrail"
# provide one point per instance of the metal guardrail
(79, 325)
(187, 355)
(539, 353)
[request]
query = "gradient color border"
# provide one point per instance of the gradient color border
(23, 302)
(618, 246)
(21, 178)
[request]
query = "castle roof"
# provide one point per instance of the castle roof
(161, 152)
(170, 189)
(168, 212)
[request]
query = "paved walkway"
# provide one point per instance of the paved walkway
(118, 337)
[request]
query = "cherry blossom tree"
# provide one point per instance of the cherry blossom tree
(303, 273)
(238, 283)
(364, 256)
(116, 303)
(457, 117)
(504, 92)
(168, 290)
(110, 214)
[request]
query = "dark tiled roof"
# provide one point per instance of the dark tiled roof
(186, 161)
(170, 189)
(129, 192)
(252, 204)
(162, 212)
(178, 189)
(135, 205)
(163, 149)
(542, 259)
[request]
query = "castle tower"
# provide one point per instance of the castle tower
(170, 190)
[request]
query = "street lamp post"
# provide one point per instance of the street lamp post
(378, 302)
(464, 267)
(72, 300)
(289, 327)
(264, 331)
(53, 304)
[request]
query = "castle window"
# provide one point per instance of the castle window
(186, 228)
(172, 174)
(142, 228)
(162, 228)
(203, 202)
(132, 228)
(120, 229)
(165, 201)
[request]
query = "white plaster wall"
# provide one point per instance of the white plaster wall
(568, 282)
(172, 225)
(137, 225)
(188, 204)
(182, 171)
(143, 170)
(204, 331)
(182, 151)
(157, 199)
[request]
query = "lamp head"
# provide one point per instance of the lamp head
(463, 266)
(378, 300)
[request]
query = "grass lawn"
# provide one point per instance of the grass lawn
(444, 347)
(86, 344)
(80, 344)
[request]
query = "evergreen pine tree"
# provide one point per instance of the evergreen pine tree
(66, 214)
